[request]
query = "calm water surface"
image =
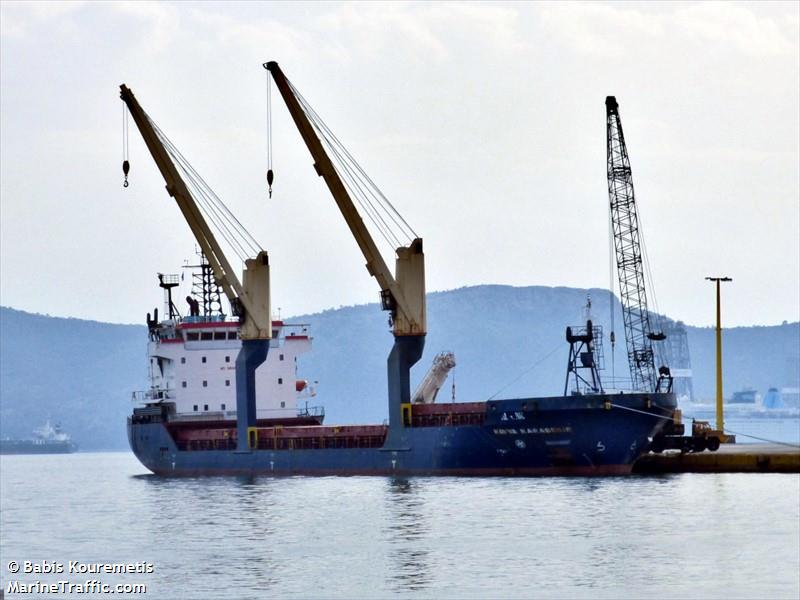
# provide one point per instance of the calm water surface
(732, 535)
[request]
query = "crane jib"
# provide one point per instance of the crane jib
(404, 291)
(252, 295)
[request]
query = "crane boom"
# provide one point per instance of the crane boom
(430, 385)
(403, 294)
(625, 224)
(252, 296)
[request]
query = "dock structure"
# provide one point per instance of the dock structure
(730, 458)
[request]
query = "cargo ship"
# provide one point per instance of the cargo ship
(47, 439)
(186, 423)
(226, 399)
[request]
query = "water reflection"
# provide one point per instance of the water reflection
(255, 506)
(406, 534)
(435, 537)
(226, 517)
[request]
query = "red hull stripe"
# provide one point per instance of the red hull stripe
(581, 471)
(209, 325)
(218, 324)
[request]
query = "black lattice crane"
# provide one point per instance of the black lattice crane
(639, 335)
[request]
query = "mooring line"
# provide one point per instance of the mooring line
(747, 435)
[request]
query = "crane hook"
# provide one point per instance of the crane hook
(270, 179)
(126, 167)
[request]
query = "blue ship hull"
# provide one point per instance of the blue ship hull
(572, 435)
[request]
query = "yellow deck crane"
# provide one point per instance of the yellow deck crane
(403, 294)
(250, 299)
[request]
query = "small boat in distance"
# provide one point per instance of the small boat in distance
(47, 439)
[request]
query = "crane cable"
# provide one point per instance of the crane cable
(351, 173)
(227, 225)
(215, 211)
(526, 371)
(384, 216)
(126, 165)
(726, 430)
(270, 173)
(659, 350)
(649, 272)
(611, 254)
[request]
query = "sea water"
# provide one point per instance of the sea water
(685, 535)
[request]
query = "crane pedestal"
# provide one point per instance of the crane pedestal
(407, 350)
(251, 356)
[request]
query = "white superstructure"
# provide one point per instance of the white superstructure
(193, 364)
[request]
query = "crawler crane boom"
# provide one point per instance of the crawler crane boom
(639, 335)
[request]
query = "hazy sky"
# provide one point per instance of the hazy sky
(483, 123)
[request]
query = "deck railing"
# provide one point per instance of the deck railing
(152, 395)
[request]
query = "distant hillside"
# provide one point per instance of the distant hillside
(79, 373)
(508, 341)
(757, 357)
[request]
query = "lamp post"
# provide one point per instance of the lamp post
(720, 421)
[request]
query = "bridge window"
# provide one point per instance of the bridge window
(195, 408)
(227, 359)
(203, 360)
(280, 380)
(205, 406)
(206, 335)
(227, 383)
(232, 335)
(219, 335)
(222, 406)
(193, 337)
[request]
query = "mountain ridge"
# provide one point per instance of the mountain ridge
(508, 341)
